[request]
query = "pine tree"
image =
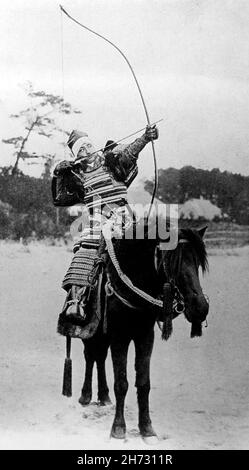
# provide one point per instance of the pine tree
(40, 119)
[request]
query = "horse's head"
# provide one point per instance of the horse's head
(182, 267)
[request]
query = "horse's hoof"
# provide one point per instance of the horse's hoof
(118, 432)
(148, 434)
(85, 400)
(150, 440)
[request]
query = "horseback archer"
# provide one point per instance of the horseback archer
(107, 175)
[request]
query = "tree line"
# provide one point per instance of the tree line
(228, 191)
(27, 210)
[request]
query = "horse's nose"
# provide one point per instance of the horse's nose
(201, 305)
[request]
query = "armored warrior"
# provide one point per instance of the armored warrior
(100, 182)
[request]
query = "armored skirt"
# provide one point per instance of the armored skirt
(104, 196)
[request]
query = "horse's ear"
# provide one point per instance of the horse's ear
(202, 231)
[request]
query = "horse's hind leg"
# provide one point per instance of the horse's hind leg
(143, 348)
(86, 392)
(119, 352)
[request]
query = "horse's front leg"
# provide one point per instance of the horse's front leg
(103, 390)
(119, 351)
(143, 348)
(86, 392)
(101, 355)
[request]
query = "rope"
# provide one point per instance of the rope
(109, 290)
(126, 280)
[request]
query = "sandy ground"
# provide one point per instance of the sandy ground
(200, 387)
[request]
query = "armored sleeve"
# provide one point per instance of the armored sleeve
(129, 155)
(125, 168)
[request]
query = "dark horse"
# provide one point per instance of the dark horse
(131, 318)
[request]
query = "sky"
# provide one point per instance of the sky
(191, 59)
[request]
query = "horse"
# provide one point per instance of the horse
(131, 317)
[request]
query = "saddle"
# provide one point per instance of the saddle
(84, 326)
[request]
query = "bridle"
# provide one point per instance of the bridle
(168, 306)
(178, 304)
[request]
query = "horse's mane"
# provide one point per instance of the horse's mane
(197, 245)
(193, 237)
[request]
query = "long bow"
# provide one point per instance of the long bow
(139, 90)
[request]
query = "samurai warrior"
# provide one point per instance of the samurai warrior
(99, 181)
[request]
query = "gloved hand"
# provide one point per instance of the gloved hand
(151, 133)
(62, 167)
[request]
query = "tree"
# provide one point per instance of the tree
(229, 191)
(39, 118)
(169, 185)
(46, 175)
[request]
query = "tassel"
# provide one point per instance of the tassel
(196, 330)
(167, 314)
(67, 376)
(167, 328)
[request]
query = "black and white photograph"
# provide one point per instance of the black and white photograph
(124, 227)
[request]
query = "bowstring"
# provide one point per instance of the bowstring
(140, 93)
(62, 77)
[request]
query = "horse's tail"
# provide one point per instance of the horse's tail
(67, 376)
